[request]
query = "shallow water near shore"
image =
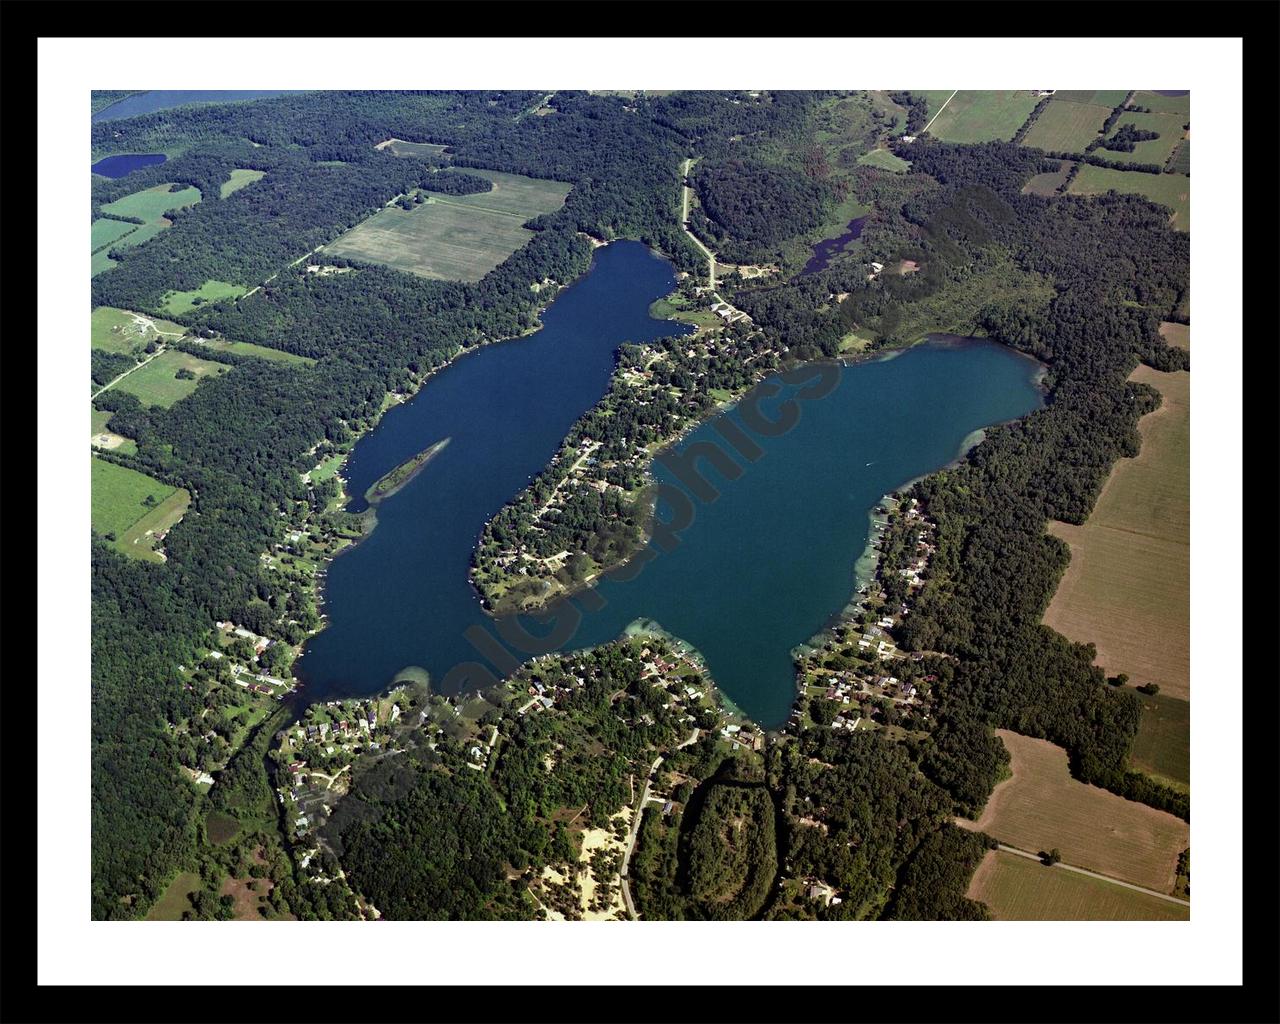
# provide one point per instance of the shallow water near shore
(759, 569)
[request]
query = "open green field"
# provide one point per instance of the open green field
(454, 238)
(175, 899)
(326, 469)
(1047, 184)
(102, 438)
(153, 203)
(1109, 98)
(119, 496)
(1162, 747)
(1127, 588)
(934, 98)
(675, 308)
(1017, 889)
(156, 383)
(1172, 190)
(178, 303)
(240, 177)
(1163, 104)
(99, 262)
(1153, 151)
(1066, 127)
(983, 116)
(118, 330)
(104, 231)
(1041, 807)
(398, 147)
(885, 160)
(98, 420)
(244, 348)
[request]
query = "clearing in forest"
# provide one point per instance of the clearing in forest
(454, 238)
(1047, 184)
(1127, 588)
(244, 348)
(1169, 128)
(983, 116)
(1041, 807)
(118, 330)
(178, 303)
(133, 508)
(1162, 748)
(240, 177)
(1017, 889)
(157, 382)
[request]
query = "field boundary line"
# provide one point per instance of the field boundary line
(1093, 874)
(940, 110)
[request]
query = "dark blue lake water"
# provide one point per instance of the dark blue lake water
(829, 248)
(165, 99)
(757, 572)
(126, 163)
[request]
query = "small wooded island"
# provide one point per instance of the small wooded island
(390, 483)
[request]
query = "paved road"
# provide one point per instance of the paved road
(1094, 874)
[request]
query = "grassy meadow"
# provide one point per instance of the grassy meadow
(178, 303)
(240, 177)
(157, 383)
(1162, 747)
(1153, 151)
(1017, 889)
(1109, 98)
(118, 330)
(1041, 807)
(1047, 184)
(454, 238)
(244, 348)
(1127, 589)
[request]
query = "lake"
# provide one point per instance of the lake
(126, 163)
(757, 572)
(165, 99)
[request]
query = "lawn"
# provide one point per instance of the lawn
(1153, 151)
(175, 899)
(1171, 190)
(1047, 184)
(1017, 889)
(1127, 589)
(1066, 127)
(327, 469)
(1163, 745)
(118, 330)
(1109, 98)
(885, 160)
(1041, 807)
(178, 303)
(1159, 104)
(240, 177)
(983, 116)
(244, 348)
(454, 237)
(156, 383)
(119, 495)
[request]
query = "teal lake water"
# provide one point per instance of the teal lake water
(758, 570)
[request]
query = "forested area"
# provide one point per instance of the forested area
(239, 443)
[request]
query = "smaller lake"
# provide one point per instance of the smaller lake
(126, 163)
(166, 99)
(825, 251)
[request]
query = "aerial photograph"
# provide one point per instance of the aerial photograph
(640, 505)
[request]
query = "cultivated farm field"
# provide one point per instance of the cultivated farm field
(1109, 98)
(1127, 588)
(1161, 104)
(1173, 190)
(1041, 807)
(983, 116)
(454, 238)
(1066, 127)
(1017, 889)
(157, 383)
